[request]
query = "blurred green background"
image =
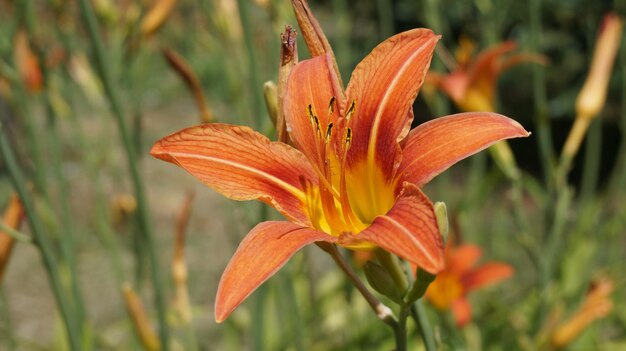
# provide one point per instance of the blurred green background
(73, 137)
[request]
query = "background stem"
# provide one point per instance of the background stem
(145, 226)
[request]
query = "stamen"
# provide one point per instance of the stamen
(351, 110)
(348, 213)
(331, 105)
(316, 121)
(329, 206)
(329, 130)
(311, 201)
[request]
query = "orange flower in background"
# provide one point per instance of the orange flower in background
(596, 305)
(12, 217)
(27, 63)
(354, 174)
(473, 83)
(460, 277)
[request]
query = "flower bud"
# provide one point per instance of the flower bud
(156, 16)
(312, 32)
(593, 94)
(270, 93)
(441, 212)
(381, 281)
(140, 320)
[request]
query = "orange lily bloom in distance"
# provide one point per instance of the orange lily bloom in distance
(450, 288)
(472, 85)
(597, 304)
(27, 63)
(354, 174)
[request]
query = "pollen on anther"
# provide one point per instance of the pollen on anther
(331, 105)
(317, 123)
(351, 109)
(309, 110)
(329, 130)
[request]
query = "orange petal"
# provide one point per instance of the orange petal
(455, 85)
(489, 273)
(156, 16)
(311, 82)
(13, 216)
(486, 66)
(27, 63)
(434, 146)
(384, 86)
(262, 252)
(463, 258)
(241, 164)
(517, 59)
(462, 311)
(408, 230)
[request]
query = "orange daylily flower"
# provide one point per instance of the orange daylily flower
(596, 305)
(12, 217)
(473, 83)
(450, 288)
(354, 172)
(27, 63)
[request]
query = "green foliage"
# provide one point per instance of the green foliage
(74, 164)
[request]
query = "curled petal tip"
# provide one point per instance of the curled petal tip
(156, 150)
(159, 151)
(522, 132)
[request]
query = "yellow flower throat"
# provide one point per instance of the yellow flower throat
(343, 202)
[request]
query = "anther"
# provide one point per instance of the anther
(329, 130)
(348, 136)
(331, 105)
(317, 124)
(351, 110)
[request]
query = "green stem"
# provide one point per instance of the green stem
(67, 240)
(40, 169)
(342, 35)
(433, 15)
(438, 104)
(553, 245)
(106, 234)
(9, 334)
(15, 234)
(258, 318)
(418, 312)
(296, 321)
(261, 295)
(618, 181)
(401, 332)
(144, 223)
(383, 312)
(593, 155)
(255, 82)
(41, 240)
(540, 100)
(26, 18)
(385, 17)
